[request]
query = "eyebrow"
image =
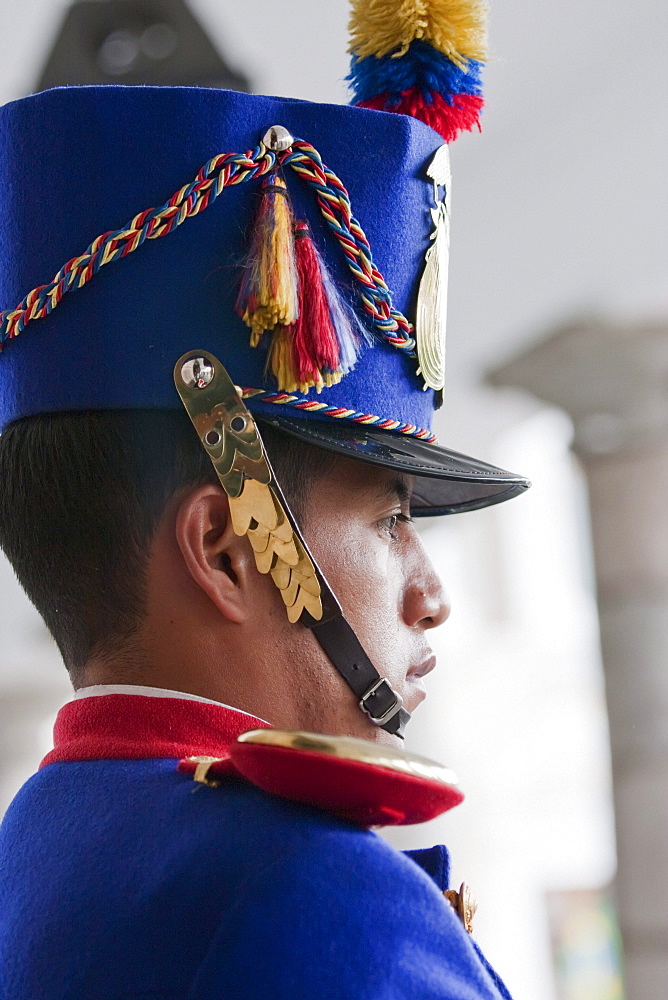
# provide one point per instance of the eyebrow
(397, 487)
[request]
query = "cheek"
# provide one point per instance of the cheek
(355, 565)
(365, 576)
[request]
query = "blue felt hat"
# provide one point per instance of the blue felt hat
(123, 232)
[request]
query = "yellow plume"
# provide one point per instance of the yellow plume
(457, 28)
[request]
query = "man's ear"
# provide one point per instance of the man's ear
(220, 562)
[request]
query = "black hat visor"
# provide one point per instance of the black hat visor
(446, 482)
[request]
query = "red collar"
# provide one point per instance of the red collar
(129, 726)
(133, 726)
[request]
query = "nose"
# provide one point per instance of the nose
(426, 604)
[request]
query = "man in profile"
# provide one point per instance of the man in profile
(217, 528)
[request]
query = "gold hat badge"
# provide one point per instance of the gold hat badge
(432, 304)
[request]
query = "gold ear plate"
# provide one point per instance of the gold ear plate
(232, 441)
(258, 513)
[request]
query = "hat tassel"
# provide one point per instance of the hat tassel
(268, 294)
(322, 345)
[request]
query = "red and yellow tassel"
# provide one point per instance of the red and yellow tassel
(268, 296)
(287, 291)
(316, 352)
(323, 343)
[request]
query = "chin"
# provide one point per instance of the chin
(365, 730)
(387, 739)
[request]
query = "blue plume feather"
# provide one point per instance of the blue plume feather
(422, 68)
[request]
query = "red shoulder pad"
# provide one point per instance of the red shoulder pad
(365, 783)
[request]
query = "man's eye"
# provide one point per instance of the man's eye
(389, 524)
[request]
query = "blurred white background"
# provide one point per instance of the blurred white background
(557, 216)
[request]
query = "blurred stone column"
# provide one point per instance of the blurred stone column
(613, 381)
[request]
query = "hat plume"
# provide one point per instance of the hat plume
(422, 58)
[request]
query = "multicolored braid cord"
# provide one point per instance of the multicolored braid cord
(220, 172)
(339, 412)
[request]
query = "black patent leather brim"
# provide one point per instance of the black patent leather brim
(446, 482)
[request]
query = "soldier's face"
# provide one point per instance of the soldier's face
(358, 527)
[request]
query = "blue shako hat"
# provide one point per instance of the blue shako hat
(126, 220)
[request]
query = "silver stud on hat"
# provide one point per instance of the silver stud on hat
(277, 138)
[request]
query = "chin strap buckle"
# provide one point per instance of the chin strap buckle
(381, 702)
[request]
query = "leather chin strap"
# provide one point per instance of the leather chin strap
(337, 639)
(376, 697)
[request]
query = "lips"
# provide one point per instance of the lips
(423, 668)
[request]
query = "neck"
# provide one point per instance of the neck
(203, 665)
(276, 673)
(214, 687)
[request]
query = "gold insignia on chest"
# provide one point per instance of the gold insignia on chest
(432, 304)
(463, 904)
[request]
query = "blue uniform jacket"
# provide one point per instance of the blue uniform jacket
(122, 879)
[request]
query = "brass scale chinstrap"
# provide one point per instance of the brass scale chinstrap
(259, 510)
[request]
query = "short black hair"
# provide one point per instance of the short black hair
(81, 495)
